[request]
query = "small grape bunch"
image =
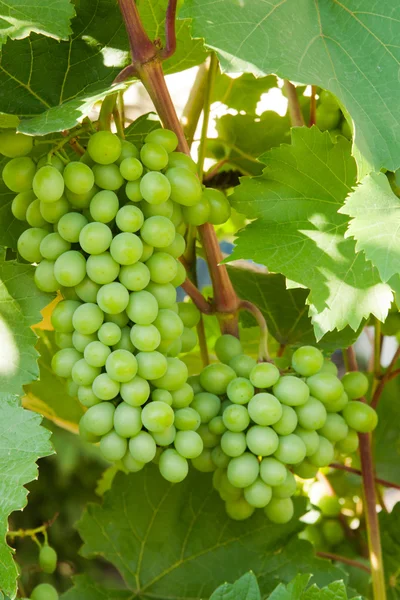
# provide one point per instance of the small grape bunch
(261, 428)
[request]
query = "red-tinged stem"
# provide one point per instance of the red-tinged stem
(126, 73)
(344, 560)
(389, 374)
(383, 482)
(197, 297)
(201, 334)
(170, 33)
(142, 48)
(313, 105)
(215, 169)
(296, 116)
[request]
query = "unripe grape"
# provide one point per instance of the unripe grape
(70, 268)
(312, 414)
(272, 471)
(349, 444)
(44, 277)
(333, 532)
(310, 439)
(265, 409)
(239, 510)
(136, 391)
(178, 159)
(360, 416)
(174, 377)
(216, 378)
(279, 510)
(64, 360)
(287, 488)
(335, 428)
(288, 421)
(131, 464)
(164, 137)
(355, 384)
(78, 177)
(104, 147)
(105, 388)
(291, 391)
(220, 209)
(291, 449)
(264, 375)
(189, 314)
(325, 387)
(324, 455)
(243, 365)
(48, 184)
(113, 447)
(47, 559)
(183, 396)
(18, 174)
(13, 144)
(153, 187)
(99, 418)
(29, 243)
(307, 360)
(102, 268)
(173, 467)
(129, 218)
(131, 168)
(44, 591)
(243, 470)
(20, 204)
(61, 317)
(204, 462)
(185, 186)
(227, 347)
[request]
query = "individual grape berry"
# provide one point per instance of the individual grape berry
(158, 231)
(216, 378)
(113, 298)
(189, 314)
(338, 405)
(53, 245)
(264, 375)
(34, 217)
(210, 440)
(70, 268)
(258, 494)
(131, 464)
(81, 340)
(113, 447)
(127, 420)
(142, 307)
(95, 238)
(188, 339)
(197, 214)
(188, 443)
(287, 488)
(291, 391)
(239, 510)
(87, 318)
(291, 449)
(86, 396)
(360, 417)
(204, 462)
(242, 365)
(99, 418)
(262, 441)
(329, 506)
(177, 247)
(307, 361)
(325, 387)
(134, 277)
(47, 559)
(20, 204)
(63, 340)
(126, 248)
(174, 377)
(183, 396)
(180, 276)
(169, 324)
(173, 467)
(81, 201)
(104, 206)
(355, 384)
(243, 470)
(53, 211)
(48, 184)
(206, 405)
(163, 267)
(264, 409)
(18, 174)
(329, 367)
(131, 168)
(78, 177)
(151, 365)
(95, 353)
(236, 418)
(13, 144)
(142, 447)
(121, 366)
(187, 419)
(71, 225)
(29, 244)
(279, 511)
(219, 458)
(312, 414)
(227, 347)
(154, 187)
(61, 317)
(102, 268)
(310, 439)
(154, 156)
(178, 159)
(136, 391)
(165, 209)
(44, 277)
(332, 531)
(132, 191)
(104, 147)
(44, 591)
(335, 428)
(185, 186)
(288, 421)
(324, 455)
(220, 209)
(84, 374)
(305, 470)
(233, 443)
(87, 290)
(127, 149)
(160, 395)
(240, 391)
(272, 471)
(164, 137)
(349, 444)
(129, 218)
(125, 341)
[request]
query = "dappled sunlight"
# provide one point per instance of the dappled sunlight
(9, 353)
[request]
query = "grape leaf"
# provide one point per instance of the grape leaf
(298, 231)
(83, 68)
(375, 223)
(245, 588)
(293, 590)
(195, 544)
(298, 590)
(18, 19)
(20, 306)
(285, 310)
(348, 48)
(137, 131)
(387, 434)
(389, 524)
(241, 93)
(85, 588)
(22, 442)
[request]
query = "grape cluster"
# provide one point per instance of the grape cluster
(256, 440)
(330, 117)
(327, 531)
(47, 563)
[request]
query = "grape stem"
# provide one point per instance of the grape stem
(263, 352)
(383, 482)
(194, 105)
(296, 116)
(106, 110)
(212, 71)
(344, 560)
(170, 33)
(32, 533)
(198, 299)
(390, 373)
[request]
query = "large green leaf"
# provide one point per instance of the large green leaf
(18, 18)
(20, 306)
(387, 435)
(176, 540)
(86, 589)
(22, 442)
(390, 533)
(298, 231)
(348, 48)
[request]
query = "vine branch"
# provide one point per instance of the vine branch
(389, 373)
(170, 33)
(344, 560)
(198, 299)
(383, 482)
(296, 116)
(21, 533)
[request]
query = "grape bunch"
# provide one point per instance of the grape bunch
(48, 563)
(259, 428)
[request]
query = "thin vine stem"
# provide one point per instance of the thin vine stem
(263, 352)
(170, 33)
(106, 111)
(383, 482)
(212, 71)
(32, 533)
(194, 105)
(296, 116)
(345, 560)
(197, 297)
(386, 377)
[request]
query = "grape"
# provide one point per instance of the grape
(154, 188)
(86, 435)
(102, 268)
(151, 365)
(204, 462)
(291, 449)
(188, 443)
(158, 231)
(258, 494)
(78, 177)
(18, 174)
(81, 201)
(136, 391)
(44, 277)
(13, 144)
(239, 510)
(288, 421)
(63, 340)
(187, 419)
(104, 387)
(236, 418)
(96, 353)
(121, 366)
(147, 252)
(279, 510)
(329, 367)
(125, 341)
(173, 467)
(307, 360)
(169, 324)
(240, 391)
(109, 334)
(29, 244)
(113, 447)
(265, 409)
(64, 360)
(177, 216)
(243, 470)
(333, 532)
(183, 396)
(177, 247)
(127, 149)
(48, 184)
(95, 238)
(160, 395)
(305, 470)
(264, 375)
(207, 406)
(134, 277)
(142, 447)
(87, 397)
(53, 245)
(325, 387)
(219, 458)
(329, 506)
(310, 439)
(126, 248)
(287, 488)
(145, 338)
(233, 443)
(87, 318)
(335, 428)
(131, 168)
(61, 317)
(47, 559)
(52, 212)
(131, 464)
(326, 118)
(355, 384)
(70, 268)
(188, 340)
(165, 209)
(324, 455)
(216, 378)
(197, 214)
(129, 218)
(87, 290)
(338, 405)
(165, 437)
(104, 147)
(217, 426)
(189, 314)
(71, 225)
(142, 307)
(164, 137)
(174, 377)
(210, 440)
(113, 298)
(69, 293)
(185, 186)
(349, 444)
(34, 217)
(163, 267)
(178, 159)
(360, 417)
(312, 414)
(220, 209)
(226, 347)
(242, 365)
(127, 421)
(44, 591)
(291, 391)
(180, 276)
(98, 419)
(104, 206)
(154, 156)
(262, 441)
(20, 204)
(83, 373)
(272, 471)
(132, 190)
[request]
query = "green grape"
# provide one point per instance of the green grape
(13, 144)
(134, 277)
(154, 187)
(125, 341)
(71, 225)
(264, 375)
(310, 439)
(81, 340)
(177, 216)
(355, 384)
(61, 317)
(194, 382)
(169, 324)
(102, 268)
(109, 334)
(338, 405)
(147, 252)
(312, 534)
(48, 184)
(220, 209)
(136, 391)
(54, 161)
(47, 558)
(63, 361)
(29, 244)
(127, 149)
(157, 416)
(360, 417)
(126, 248)
(335, 428)
(84, 374)
(133, 192)
(63, 340)
(81, 201)
(183, 396)
(210, 440)
(226, 347)
(131, 464)
(44, 591)
(173, 467)
(142, 447)
(262, 441)
(243, 470)
(312, 414)
(189, 314)
(180, 276)
(158, 232)
(219, 458)
(142, 307)
(240, 391)
(121, 366)
(96, 353)
(332, 531)
(165, 209)
(288, 421)
(188, 443)
(18, 174)
(104, 206)
(265, 409)
(113, 298)
(197, 214)
(258, 494)
(307, 361)
(151, 365)
(324, 455)
(129, 218)
(325, 387)
(162, 267)
(131, 168)
(349, 444)
(239, 509)
(305, 470)
(53, 245)
(204, 462)
(52, 212)
(160, 395)
(217, 426)
(291, 449)
(174, 377)
(177, 247)
(272, 471)
(207, 406)
(216, 378)
(166, 437)
(346, 129)
(178, 159)
(87, 290)
(34, 217)
(279, 510)
(98, 419)
(87, 397)
(87, 318)
(187, 419)
(105, 388)
(104, 147)
(44, 277)
(154, 156)
(291, 391)
(188, 340)
(95, 238)
(78, 177)
(113, 447)
(326, 118)
(329, 367)
(68, 293)
(145, 338)
(20, 204)
(163, 137)
(86, 435)
(242, 365)
(128, 421)
(329, 506)
(287, 488)
(185, 186)
(236, 418)
(70, 268)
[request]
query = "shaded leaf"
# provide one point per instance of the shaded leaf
(387, 434)
(245, 588)
(85, 588)
(390, 533)
(241, 93)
